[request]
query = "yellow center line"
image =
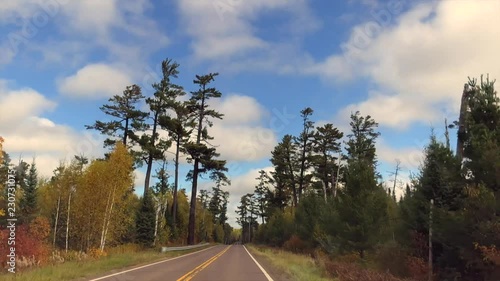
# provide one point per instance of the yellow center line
(188, 276)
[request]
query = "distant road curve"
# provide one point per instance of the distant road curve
(218, 263)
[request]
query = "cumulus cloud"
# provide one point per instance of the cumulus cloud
(27, 134)
(223, 29)
(93, 81)
(17, 104)
(241, 185)
(418, 60)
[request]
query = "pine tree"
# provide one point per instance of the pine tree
(304, 142)
(286, 166)
(326, 143)
(362, 203)
(154, 147)
(180, 126)
(200, 154)
(28, 202)
(127, 118)
(145, 221)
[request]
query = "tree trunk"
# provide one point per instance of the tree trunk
(104, 221)
(302, 165)
(192, 209)
(157, 215)
(324, 190)
(125, 133)
(337, 178)
(461, 124)
(150, 156)
(176, 183)
(57, 220)
(67, 220)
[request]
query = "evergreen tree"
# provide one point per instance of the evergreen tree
(286, 166)
(153, 146)
(28, 204)
(362, 203)
(180, 126)
(326, 143)
(127, 118)
(145, 221)
(304, 144)
(203, 157)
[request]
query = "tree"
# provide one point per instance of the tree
(326, 142)
(482, 134)
(243, 219)
(153, 146)
(28, 204)
(261, 194)
(361, 143)
(179, 128)
(145, 222)
(200, 154)
(127, 118)
(362, 204)
(304, 144)
(161, 192)
(284, 158)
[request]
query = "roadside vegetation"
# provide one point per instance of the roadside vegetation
(325, 198)
(89, 207)
(79, 265)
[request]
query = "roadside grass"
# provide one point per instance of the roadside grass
(296, 267)
(81, 270)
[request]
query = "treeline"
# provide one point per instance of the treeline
(447, 221)
(90, 204)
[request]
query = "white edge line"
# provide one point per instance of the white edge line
(151, 264)
(260, 267)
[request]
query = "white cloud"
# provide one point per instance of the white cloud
(241, 185)
(418, 61)
(223, 29)
(29, 135)
(95, 81)
(410, 157)
(392, 110)
(240, 109)
(16, 105)
(238, 136)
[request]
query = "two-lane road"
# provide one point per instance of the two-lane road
(219, 263)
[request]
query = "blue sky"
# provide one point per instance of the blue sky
(403, 62)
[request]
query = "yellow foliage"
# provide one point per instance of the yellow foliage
(97, 253)
(103, 198)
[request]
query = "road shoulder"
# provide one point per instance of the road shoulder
(276, 273)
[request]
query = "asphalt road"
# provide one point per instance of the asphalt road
(219, 263)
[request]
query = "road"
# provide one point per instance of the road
(218, 263)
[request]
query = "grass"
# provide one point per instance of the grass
(91, 268)
(296, 267)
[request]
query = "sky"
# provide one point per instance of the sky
(402, 62)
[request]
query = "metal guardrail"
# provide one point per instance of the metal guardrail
(170, 249)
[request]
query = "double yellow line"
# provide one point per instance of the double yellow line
(188, 276)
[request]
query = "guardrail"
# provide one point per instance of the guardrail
(170, 249)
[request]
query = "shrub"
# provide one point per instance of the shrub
(417, 268)
(96, 253)
(295, 245)
(392, 258)
(353, 272)
(30, 245)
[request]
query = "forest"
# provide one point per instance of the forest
(447, 221)
(324, 197)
